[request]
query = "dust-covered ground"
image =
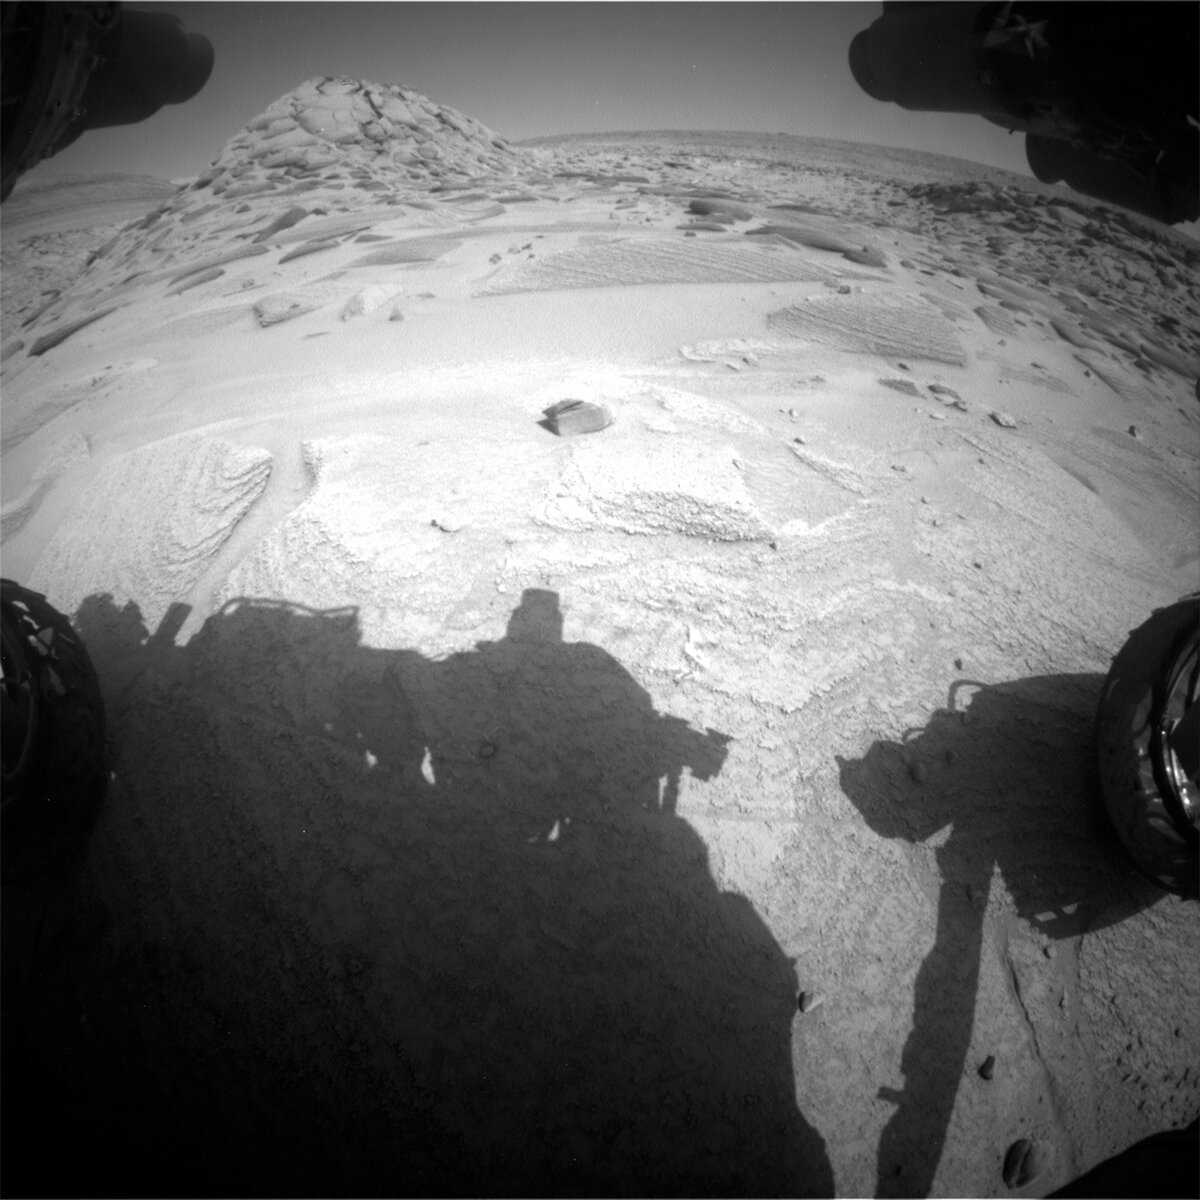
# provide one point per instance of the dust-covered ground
(691, 806)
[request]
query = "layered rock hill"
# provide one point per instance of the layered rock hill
(344, 145)
(361, 132)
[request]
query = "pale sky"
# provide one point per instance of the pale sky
(526, 70)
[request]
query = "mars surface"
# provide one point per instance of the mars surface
(702, 804)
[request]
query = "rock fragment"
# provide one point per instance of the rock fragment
(195, 280)
(273, 310)
(283, 221)
(1023, 1163)
(940, 390)
(368, 300)
(720, 210)
(307, 248)
(570, 417)
(57, 336)
(1002, 419)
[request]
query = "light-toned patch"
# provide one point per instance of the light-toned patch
(900, 328)
(151, 522)
(673, 487)
(633, 261)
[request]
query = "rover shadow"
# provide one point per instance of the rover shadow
(1007, 768)
(356, 921)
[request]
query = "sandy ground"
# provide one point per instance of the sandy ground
(691, 806)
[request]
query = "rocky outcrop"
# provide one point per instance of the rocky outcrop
(360, 131)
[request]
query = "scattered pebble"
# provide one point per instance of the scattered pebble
(807, 1001)
(1133, 432)
(1002, 419)
(901, 385)
(987, 1068)
(918, 772)
(940, 389)
(1023, 1163)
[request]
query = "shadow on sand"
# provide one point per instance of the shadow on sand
(358, 922)
(1008, 769)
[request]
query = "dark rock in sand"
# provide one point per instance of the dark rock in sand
(307, 248)
(867, 256)
(1023, 1163)
(902, 385)
(218, 260)
(719, 209)
(569, 417)
(412, 250)
(195, 280)
(283, 221)
(804, 235)
(57, 336)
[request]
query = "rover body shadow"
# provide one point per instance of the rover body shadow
(357, 921)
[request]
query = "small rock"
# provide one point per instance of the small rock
(367, 300)
(495, 259)
(901, 385)
(918, 772)
(987, 1068)
(1023, 1163)
(286, 307)
(1133, 432)
(1002, 419)
(807, 1001)
(958, 664)
(569, 417)
(940, 389)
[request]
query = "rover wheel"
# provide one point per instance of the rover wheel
(1146, 743)
(54, 771)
